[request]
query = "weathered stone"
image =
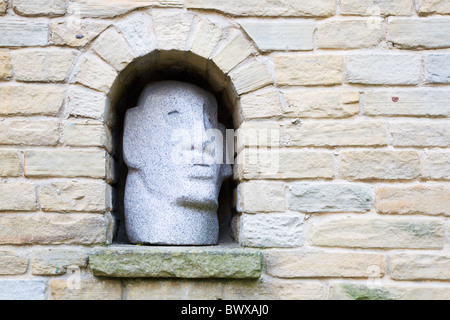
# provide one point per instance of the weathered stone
(29, 132)
(299, 70)
(235, 50)
(3, 7)
(421, 102)
(17, 196)
(49, 64)
(111, 9)
(65, 163)
(413, 266)
(251, 76)
(12, 264)
(52, 229)
(330, 197)
(432, 200)
(420, 134)
(358, 291)
(87, 134)
(387, 69)
(321, 104)
(289, 8)
(258, 134)
(274, 230)
(170, 262)
(9, 163)
(321, 264)
(334, 133)
(95, 73)
(22, 32)
(261, 104)
(207, 36)
(382, 165)
(411, 33)
(436, 165)
(376, 7)
(86, 289)
(22, 289)
(5, 65)
(40, 7)
(172, 29)
(284, 164)
(349, 34)
(427, 7)
(113, 48)
(31, 99)
(182, 209)
(87, 103)
(137, 30)
(255, 196)
(68, 31)
(438, 68)
(48, 262)
(77, 196)
(400, 233)
(270, 35)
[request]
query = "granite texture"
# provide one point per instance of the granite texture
(176, 262)
(175, 166)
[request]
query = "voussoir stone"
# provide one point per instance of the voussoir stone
(175, 262)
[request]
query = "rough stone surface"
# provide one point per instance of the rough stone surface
(321, 264)
(308, 70)
(182, 210)
(264, 196)
(334, 133)
(271, 35)
(64, 32)
(418, 102)
(22, 289)
(9, 163)
(275, 230)
(387, 69)
(68, 196)
(438, 68)
(172, 29)
(21, 32)
(324, 197)
(426, 7)
(436, 165)
(376, 7)
(17, 196)
(413, 266)
(432, 200)
(349, 34)
(320, 8)
(207, 36)
(382, 165)
(359, 291)
(12, 264)
(95, 73)
(5, 65)
(235, 50)
(87, 134)
(86, 103)
(48, 262)
(171, 262)
(420, 134)
(251, 76)
(31, 99)
(3, 7)
(89, 289)
(113, 48)
(29, 132)
(53, 163)
(40, 7)
(137, 30)
(321, 104)
(261, 104)
(401, 233)
(49, 64)
(418, 33)
(52, 229)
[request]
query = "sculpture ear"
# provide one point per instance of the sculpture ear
(131, 136)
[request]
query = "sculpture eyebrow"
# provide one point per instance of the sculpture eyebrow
(173, 112)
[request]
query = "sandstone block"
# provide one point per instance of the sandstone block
(261, 104)
(86, 103)
(5, 65)
(251, 76)
(48, 262)
(113, 48)
(416, 266)
(12, 264)
(9, 163)
(96, 74)
(235, 50)
(29, 132)
(376, 7)
(427, 7)
(438, 68)
(17, 196)
(22, 32)
(87, 134)
(89, 289)
(436, 165)
(207, 36)
(18, 289)
(172, 29)
(40, 7)
(264, 196)
(64, 32)
(420, 134)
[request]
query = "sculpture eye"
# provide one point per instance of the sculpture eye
(174, 112)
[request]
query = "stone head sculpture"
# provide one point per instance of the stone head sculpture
(174, 178)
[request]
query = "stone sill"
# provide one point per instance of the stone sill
(221, 262)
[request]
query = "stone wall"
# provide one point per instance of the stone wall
(358, 89)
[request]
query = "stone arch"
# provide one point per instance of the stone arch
(210, 49)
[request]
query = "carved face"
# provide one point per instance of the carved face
(174, 145)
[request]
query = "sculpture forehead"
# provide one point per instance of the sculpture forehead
(168, 96)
